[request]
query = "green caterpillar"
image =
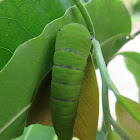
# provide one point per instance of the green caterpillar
(73, 44)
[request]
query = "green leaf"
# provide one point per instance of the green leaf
(22, 20)
(15, 16)
(114, 136)
(87, 117)
(126, 120)
(136, 7)
(132, 61)
(116, 43)
(38, 132)
(33, 60)
(107, 27)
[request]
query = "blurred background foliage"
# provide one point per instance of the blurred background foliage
(132, 5)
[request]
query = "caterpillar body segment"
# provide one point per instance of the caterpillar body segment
(73, 44)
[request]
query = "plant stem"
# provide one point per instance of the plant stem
(107, 116)
(106, 111)
(135, 34)
(86, 17)
(102, 67)
(119, 129)
(105, 101)
(105, 76)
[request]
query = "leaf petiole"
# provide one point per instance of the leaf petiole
(107, 116)
(86, 17)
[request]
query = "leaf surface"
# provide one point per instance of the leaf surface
(126, 120)
(38, 132)
(21, 20)
(132, 61)
(88, 109)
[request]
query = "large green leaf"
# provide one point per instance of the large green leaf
(21, 20)
(132, 60)
(126, 120)
(87, 117)
(107, 27)
(38, 132)
(33, 59)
